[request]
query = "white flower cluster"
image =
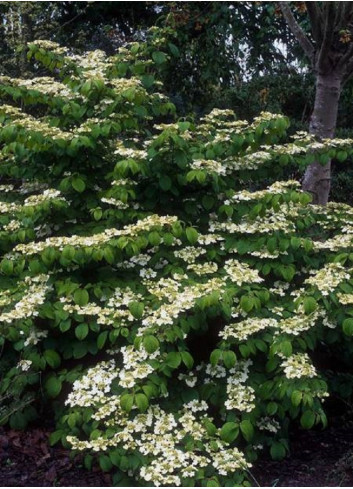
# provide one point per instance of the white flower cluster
(273, 220)
(182, 301)
(150, 222)
(345, 299)
(239, 396)
(328, 278)
(9, 207)
(7, 188)
(190, 379)
(164, 289)
(30, 123)
(24, 365)
(136, 154)
(240, 273)
(189, 253)
(274, 189)
(12, 226)
(268, 424)
(34, 336)
(158, 436)
(203, 268)
(211, 166)
(92, 388)
(33, 298)
(119, 204)
(242, 330)
(338, 242)
(136, 365)
(298, 323)
(45, 85)
(48, 194)
(297, 366)
(52, 46)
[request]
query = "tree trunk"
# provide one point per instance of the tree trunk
(26, 34)
(317, 178)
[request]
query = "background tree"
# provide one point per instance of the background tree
(330, 51)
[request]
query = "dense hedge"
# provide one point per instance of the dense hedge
(160, 286)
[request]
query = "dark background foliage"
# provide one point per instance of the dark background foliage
(237, 55)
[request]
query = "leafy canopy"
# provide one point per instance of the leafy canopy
(158, 279)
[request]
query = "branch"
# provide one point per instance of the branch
(346, 13)
(330, 13)
(297, 30)
(346, 10)
(57, 29)
(315, 16)
(345, 58)
(348, 72)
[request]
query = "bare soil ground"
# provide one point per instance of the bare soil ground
(318, 458)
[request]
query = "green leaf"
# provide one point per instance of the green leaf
(53, 386)
(192, 235)
(7, 267)
(246, 303)
(295, 242)
(55, 437)
(150, 343)
(159, 57)
(136, 309)
(215, 356)
(165, 182)
(287, 272)
(65, 325)
(115, 457)
(173, 49)
(105, 463)
(79, 350)
(52, 358)
(229, 432)
(81, 331)
(307, 419)
(126, 402)
(102, 338)
(213, 482)
(87, 462)
(81, 297)
(310, 305)
(108, 254)
(97, 214)
(229, 359)
(68, 252)
(78, 184)
(278, 450)
(208, 202)
(141, 402)
(271, 408)
(147, 80)
(154, 238)
(285, 347)
(173, 359)
(347, 327)
(247, 429)
(341, 156)
(296, 398)
(187, 359)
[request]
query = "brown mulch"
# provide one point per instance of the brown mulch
(26, 459)
(318, 458)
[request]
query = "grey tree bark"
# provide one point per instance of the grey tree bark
(317, 178)
(332, 62)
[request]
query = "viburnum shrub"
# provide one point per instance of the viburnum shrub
(161, 287)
